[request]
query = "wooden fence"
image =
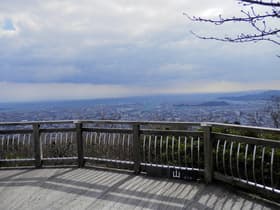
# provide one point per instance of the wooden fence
(245, 156)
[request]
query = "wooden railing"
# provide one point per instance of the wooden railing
(245, 156)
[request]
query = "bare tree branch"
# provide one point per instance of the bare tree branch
(241, 38)
(263, 24)
(222, 20)
(260, 2)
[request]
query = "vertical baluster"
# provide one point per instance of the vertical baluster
(87, 138)
(61, 139)
(89, 147)
(42, 143)
(30, 146)
(93, 144)
(8, 143)
(103, 150)
(59, 143)
(230, 159)
(26, 147)
(23, 144)
(18, 146)
(102, 135)
(198, 151)
(172, 149)
(91, 138)
(262, 166)
(29, 140)
(89, 143)
(144, 149)
(106, 144)
(113, 146)
(45, 143)
(21, 149)
(185, 150)
(224, 152)
(66, 138)
(246, 155)
(123, 144)
(166, 149)
(149, 149)
(271, 169)
(179, 144)
(254, 160)
(237, 160)
(95, 138)
(72, 136)
(70, 145)
(128, 146)
(63, 145)
(160, 148)
(51, 141)
(155, 149)
(24, 138)
(192, 151)
(56, 139)
(71, 141)
(98, 150)
(2, 145)
(13, 143)
(217, 154)
(119, 145)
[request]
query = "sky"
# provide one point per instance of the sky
(68, 49)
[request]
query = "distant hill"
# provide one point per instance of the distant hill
(267, 95)
(208, 103)
(214, 103)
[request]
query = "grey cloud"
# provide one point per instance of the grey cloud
(124, 43)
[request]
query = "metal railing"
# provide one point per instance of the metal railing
(245, 156)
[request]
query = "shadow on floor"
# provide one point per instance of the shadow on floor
(109, 189)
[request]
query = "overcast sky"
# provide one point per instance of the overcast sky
(71, 49)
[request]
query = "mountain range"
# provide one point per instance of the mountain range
(266, 95)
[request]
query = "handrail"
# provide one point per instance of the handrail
(178, 123)
(101, 122)
(251, 128)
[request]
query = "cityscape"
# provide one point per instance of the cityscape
(191, 108)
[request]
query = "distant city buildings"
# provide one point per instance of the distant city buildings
(249, 113)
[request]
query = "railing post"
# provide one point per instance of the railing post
(136, 148)
(208, 154)
(80, 144)
(37, 145)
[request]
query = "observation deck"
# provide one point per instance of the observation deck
(133, 165)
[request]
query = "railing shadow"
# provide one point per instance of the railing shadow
(98, 189)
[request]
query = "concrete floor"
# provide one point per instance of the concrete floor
(73, 188)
